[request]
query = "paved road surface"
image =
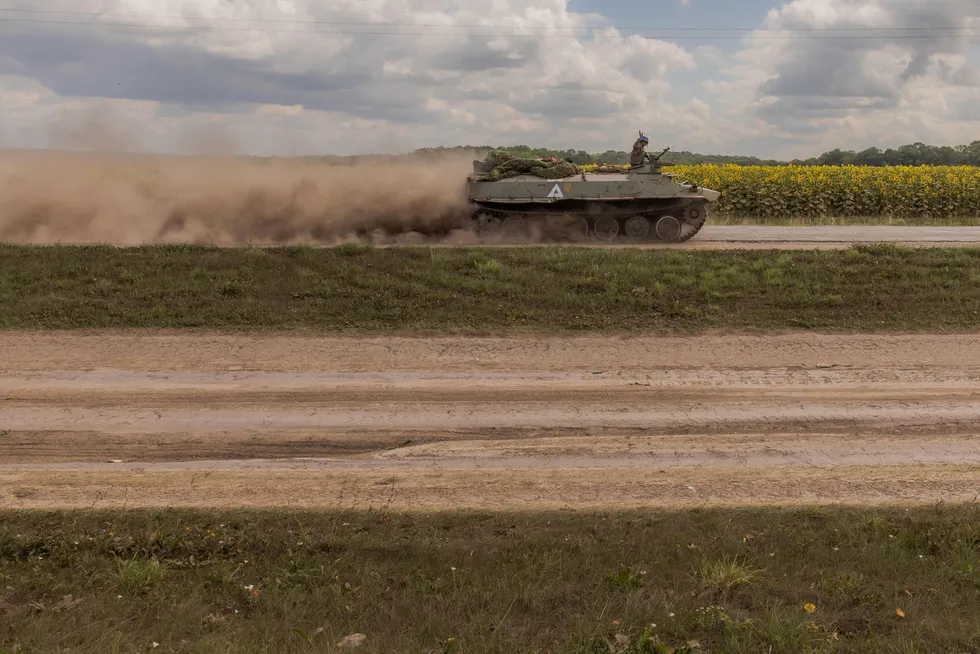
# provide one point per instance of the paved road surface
(719, 237)
(829, 237)
(843, 234)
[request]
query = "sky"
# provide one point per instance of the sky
(770, 78)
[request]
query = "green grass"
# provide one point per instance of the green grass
(650, 581)
(364, 289)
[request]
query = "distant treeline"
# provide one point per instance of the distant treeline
(913, 154)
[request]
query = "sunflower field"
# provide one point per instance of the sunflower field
(904, 192)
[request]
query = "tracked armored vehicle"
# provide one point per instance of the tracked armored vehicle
(613, 205)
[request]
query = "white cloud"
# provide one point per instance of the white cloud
(493, 71)
(433, 72)
(889, 82)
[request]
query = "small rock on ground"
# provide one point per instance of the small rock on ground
(354, 640)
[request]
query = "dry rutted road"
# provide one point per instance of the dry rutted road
(106, 419)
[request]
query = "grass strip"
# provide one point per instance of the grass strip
(760, 580)
(361, 289)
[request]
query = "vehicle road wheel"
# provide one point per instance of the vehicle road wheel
(606, 229)
(668, 229)
(637, 228)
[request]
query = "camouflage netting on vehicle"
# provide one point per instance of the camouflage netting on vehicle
(507, 165)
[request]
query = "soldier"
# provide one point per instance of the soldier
(639, 156)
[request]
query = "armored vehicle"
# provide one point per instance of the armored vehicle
(521, 198)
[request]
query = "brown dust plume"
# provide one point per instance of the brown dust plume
(122, 199)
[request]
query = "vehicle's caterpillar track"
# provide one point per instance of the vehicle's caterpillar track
(675, 224)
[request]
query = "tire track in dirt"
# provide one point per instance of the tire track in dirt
(161, 352)
(452, 422)
(567, 413)
(491, 490)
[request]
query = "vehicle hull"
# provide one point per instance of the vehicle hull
(641, 205)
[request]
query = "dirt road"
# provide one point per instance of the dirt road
(163, 419)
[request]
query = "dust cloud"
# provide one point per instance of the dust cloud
(131, 199)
